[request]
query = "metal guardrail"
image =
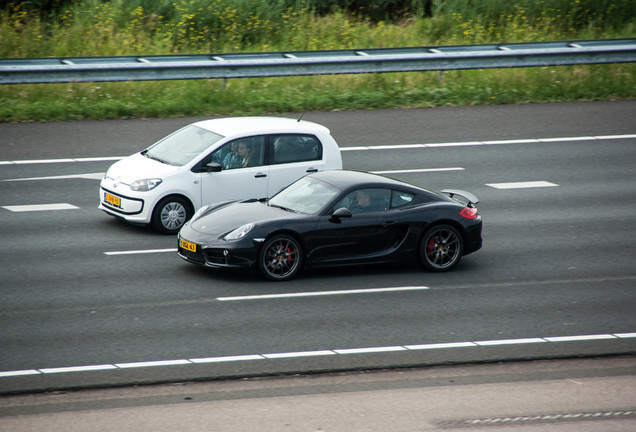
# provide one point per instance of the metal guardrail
(377, 60)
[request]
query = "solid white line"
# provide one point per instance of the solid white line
(441, 345)
(492, 142)
(510, 341)
(299, 354)
(625, 335)
(63, 160)
(579, 338)
(306, 354)
(143, 251)
(153, 363)
(322, 293)
(40, 207)
(521, 185)
(367, 148)
(77, 369)
(19, 373)
(370, 350)
(227, 359)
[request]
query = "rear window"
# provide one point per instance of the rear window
(291, 148)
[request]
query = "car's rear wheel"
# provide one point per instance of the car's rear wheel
(441, 248)
(280, 258)
(170, 214)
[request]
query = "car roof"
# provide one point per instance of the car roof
(344, 179)
(242, 126)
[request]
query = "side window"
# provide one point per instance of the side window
(366, 200)
(242, 152)
(295, 148)
(399, 198)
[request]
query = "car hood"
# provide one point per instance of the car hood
(228, 218)
(137, 167)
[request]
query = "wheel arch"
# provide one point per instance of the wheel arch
(459, 227)
(288, 232)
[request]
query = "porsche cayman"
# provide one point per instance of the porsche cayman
(335, 218)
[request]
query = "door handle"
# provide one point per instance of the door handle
(387, 224)
(259, 175)
(312, 170)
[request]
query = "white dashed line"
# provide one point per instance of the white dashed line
(87, 176)
(422, 170)
(522, 185)
(64, 160)
(322, 293)
(316, 353)
(141, 251)
(40, 207)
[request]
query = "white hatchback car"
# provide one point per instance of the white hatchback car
(211, 161)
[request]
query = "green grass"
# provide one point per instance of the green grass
(144, 27)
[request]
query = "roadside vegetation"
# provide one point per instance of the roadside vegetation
(70, 28)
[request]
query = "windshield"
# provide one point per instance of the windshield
(182, 146)
(307, 195)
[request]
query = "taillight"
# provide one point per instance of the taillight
(469, 212)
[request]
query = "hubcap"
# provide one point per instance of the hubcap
(173, 216)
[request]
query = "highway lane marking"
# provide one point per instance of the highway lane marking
(487, 143)
(88, 176)
(372, 147)
(322, 293)
(420, 170)
(522, 185)
(40, 207)
(63, 160)
(99, 176)
(140, 251)
(317, 353)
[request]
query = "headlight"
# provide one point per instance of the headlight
(239, 233)
(145, 184)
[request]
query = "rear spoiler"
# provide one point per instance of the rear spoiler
(472, 199)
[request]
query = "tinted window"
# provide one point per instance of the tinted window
(399, 198)
(366, 200)
(295, 148)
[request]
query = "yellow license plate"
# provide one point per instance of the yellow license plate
(189, 246)
(116, 201)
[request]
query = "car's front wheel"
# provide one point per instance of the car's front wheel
(170, 214)
(280, 258)
(441, 248)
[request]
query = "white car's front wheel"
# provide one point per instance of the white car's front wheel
(170, 214)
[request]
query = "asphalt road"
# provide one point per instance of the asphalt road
(555, 278)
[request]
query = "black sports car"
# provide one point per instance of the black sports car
(334, 218)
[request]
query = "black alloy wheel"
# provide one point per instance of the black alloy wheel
(441, 248)
(280, 258)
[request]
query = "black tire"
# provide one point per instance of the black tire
(170, 214)
(441, 248)
(280, 258)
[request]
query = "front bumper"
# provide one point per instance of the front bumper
(221, 254)
(125, 206)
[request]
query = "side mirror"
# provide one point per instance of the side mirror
(341, 213)
(213, 167)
